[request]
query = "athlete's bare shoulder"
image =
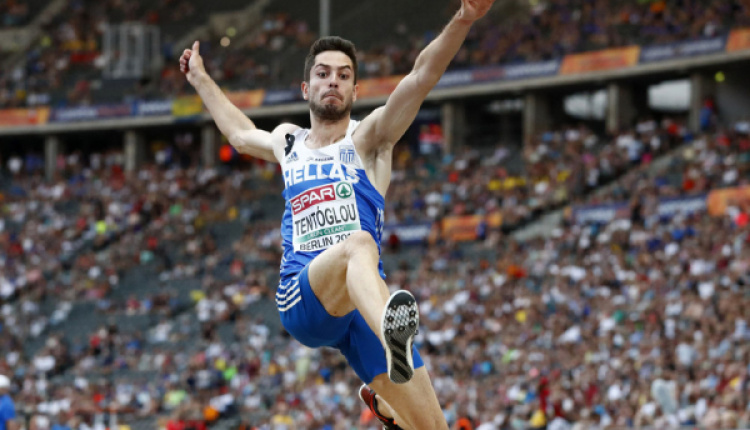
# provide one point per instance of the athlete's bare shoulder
(283, 129)
(278, 137)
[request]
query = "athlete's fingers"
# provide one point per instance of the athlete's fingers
(196, 47)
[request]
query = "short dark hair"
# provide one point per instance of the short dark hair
(331, 43)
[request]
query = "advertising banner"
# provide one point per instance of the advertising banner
(609, 212)
(739, 40)
(465, 228)
(454, 78)
(82, 113)
(19, 117)
(408, 234)
(497, 73)
(650, 54)
(687, 204)
(153, 107)
(187, 106)
(112, 111)
(378, 87)
(607, 59)
(720, 200)
(275, 97)
(91, 113)
(532, 70)
(246, 99)
(600, 213)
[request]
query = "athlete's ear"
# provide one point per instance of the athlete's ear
(354, 94)
(305, 90)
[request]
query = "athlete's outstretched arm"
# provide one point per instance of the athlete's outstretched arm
(235, 125)
(384, 126)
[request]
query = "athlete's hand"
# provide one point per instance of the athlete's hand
(472, 10)
(191, 64)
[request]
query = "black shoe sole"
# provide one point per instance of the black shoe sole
(400, 324)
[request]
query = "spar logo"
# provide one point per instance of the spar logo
(324, 193)
(312, 197)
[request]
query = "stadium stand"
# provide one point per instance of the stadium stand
(184, 328)
(14, 13)
(65, 67)
(144, 297)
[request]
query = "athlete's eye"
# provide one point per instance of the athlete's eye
(322, 74)
(344, 76)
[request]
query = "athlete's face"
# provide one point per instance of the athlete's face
(331, 90)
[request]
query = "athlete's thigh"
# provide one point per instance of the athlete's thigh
(327, 275)
(414, 401)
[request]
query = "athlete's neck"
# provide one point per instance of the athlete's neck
(324, 133)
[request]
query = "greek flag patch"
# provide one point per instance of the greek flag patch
(346, 155)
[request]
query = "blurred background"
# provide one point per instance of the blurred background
(570, 208)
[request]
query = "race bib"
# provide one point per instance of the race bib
(324, 216)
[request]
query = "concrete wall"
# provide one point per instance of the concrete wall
(733, 95)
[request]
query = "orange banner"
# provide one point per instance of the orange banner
(247, 99)
(739, 40)
(378, 87)
(719, 200)
(464, 228)
(607, 59)
(18, 117)
(187, 106)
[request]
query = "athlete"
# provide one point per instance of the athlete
(336, 174)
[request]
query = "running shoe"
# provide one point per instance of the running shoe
(368, 396)
(400, 324)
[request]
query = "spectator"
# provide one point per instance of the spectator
(548, 29)
(7, 407)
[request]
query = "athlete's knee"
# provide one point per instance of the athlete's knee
(359, 241)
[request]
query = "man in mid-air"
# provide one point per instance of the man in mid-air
(336, 174)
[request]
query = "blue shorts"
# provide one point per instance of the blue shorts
(305, 318)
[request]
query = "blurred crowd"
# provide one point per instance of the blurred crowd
(64, 67)
(559, 27)
(560, 166)
(13, 13)
(73, 240)
(639, 321)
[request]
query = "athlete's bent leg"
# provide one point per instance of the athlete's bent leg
(346, 276)
(414, 404)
